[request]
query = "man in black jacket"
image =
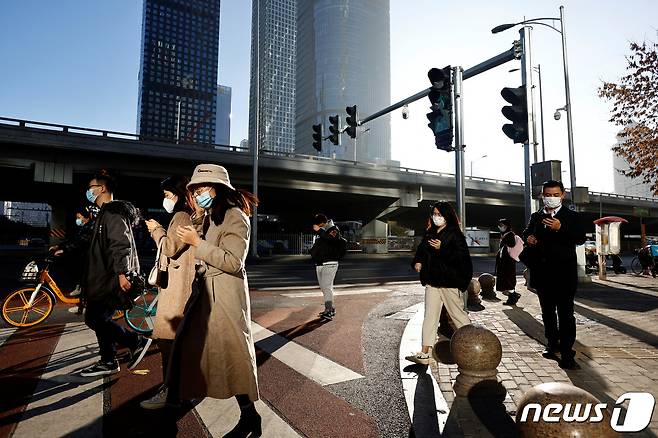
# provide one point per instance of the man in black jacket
(328, 248)
(112, 255)
(553, 234)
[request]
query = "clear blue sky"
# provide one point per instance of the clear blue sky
(76, 62)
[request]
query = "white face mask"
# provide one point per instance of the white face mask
(169, 204)
(502, 228)
(439, 221)
(552, 202)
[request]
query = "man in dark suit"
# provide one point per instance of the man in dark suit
(553, 233)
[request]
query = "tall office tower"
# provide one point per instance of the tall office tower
(180, 41)
(223, 123)
(343, 59)
(625, 185)
(274, 30)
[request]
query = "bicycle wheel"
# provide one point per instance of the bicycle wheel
(636, 266)
(141, 317)
(16, 312)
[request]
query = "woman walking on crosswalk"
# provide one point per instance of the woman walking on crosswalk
(214, 350)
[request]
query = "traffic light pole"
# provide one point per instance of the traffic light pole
(458, 105)
(256, 146)
(526, 80)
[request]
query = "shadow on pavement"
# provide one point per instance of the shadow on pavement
(486, 400)
(606, 297)
(425, 421)
(266, 347)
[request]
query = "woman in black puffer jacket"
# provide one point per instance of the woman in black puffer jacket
(445, 268)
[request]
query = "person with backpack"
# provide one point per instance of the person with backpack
(111, 262)
(329, 247)
(444, 264)
(511, 246)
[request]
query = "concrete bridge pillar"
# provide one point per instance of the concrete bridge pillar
(374, 237)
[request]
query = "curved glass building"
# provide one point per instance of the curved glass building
(343, 59)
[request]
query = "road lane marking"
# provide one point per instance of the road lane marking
(220, 416)
(316, 293)
(5, 333)
(62, 394)
(306, 362)
(411, 342)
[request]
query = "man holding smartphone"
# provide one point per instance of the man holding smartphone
(554, 232)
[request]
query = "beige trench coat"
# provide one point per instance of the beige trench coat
(179, 260)
(215, 344)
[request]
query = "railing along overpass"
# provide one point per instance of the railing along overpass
(66, 155)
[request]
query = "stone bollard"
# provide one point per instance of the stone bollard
(477, 352)
(474, 293)
(537, 422)
(487, 282)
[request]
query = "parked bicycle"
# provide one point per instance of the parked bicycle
(32, 304)
(644, 262)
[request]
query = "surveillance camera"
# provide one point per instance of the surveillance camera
(405, 112)
(557, 115)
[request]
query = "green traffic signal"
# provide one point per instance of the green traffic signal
(440, 117)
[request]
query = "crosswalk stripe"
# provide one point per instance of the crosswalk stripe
(306, 362)
(411, 341)
(62, 394)
(220, 416)
(338, 292)
(5, 333)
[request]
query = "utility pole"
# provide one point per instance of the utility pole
(256, 145)
(457, 93)
(526, 79)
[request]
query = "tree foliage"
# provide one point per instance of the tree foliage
(635, 108)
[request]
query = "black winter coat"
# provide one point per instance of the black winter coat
(328, 246)
(112, 251)
(450, 265)
(555, 264)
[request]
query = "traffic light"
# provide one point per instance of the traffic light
(352, 120)
(441, 116)
(334, 128)
(517, 113)
(317, 137)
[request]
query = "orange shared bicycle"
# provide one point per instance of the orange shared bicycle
(30, 305)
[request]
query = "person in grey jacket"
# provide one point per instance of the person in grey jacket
(112, 256)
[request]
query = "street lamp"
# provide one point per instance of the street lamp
(541, 107)
(562, 32)
(473, 161)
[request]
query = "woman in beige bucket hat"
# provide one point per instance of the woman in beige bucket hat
(215, 355)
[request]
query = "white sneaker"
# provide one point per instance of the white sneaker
(419, 358)
(76, 292)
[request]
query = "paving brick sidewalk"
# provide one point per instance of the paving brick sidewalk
(617, 349)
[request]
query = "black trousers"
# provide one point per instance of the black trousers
(557, 305)
(98, 317)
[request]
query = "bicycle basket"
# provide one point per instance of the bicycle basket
(30, 272)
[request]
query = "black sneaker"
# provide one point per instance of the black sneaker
(101, 368)
(512, 299)
(569, 364)
(138, 353)
(550, 353)
(328, 315)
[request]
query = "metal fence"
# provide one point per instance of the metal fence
(284, 243)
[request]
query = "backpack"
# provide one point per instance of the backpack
(515, 250)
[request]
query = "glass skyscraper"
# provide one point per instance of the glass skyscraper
(223, 123)
(343, 59)
(274, 31)
(178, 63)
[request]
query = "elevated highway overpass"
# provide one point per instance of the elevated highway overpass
(51, 163)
